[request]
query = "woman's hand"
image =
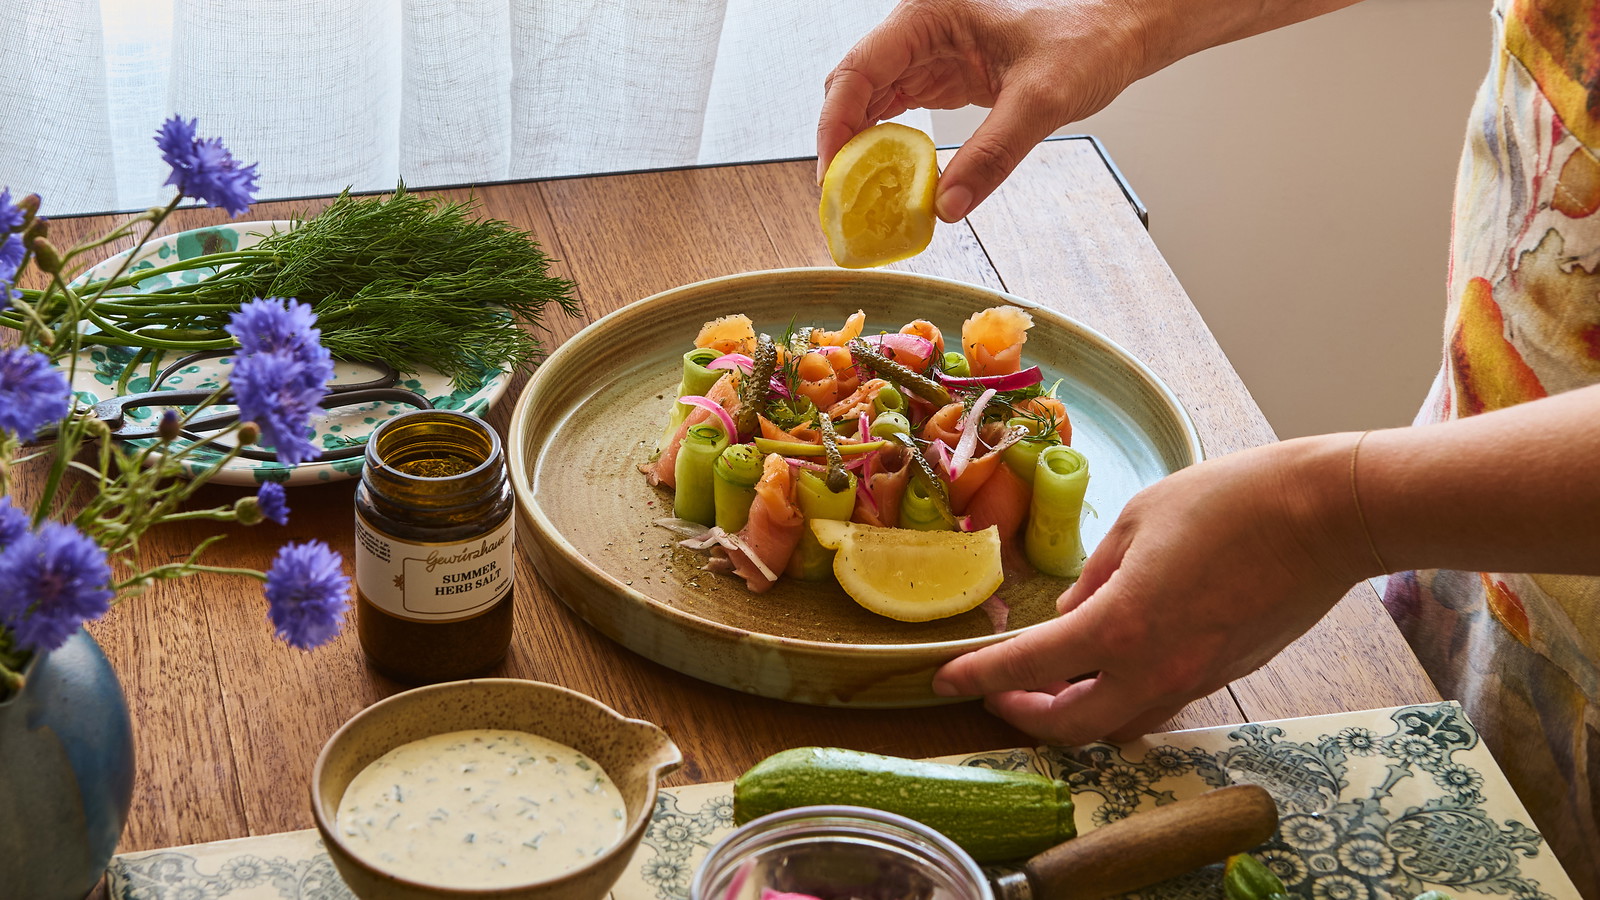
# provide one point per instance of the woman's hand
(1038, 65)
(1204, 577)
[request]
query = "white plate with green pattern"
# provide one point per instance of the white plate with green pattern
(98, 371)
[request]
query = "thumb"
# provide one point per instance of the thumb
(996, 148)
(857, 90)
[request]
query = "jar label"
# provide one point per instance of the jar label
(434, 582)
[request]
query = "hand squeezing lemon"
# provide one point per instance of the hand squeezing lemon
(877, 197)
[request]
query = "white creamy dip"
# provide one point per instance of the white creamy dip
(481, 808)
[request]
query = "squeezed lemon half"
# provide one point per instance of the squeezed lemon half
(877, 196)
(913, 576)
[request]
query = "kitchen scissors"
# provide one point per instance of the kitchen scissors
(115, 411)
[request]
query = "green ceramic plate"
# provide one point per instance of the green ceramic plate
(98, 370)
(593, 410)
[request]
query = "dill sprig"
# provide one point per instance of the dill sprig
(406, 280)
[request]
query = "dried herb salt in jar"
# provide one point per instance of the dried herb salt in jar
(434, 547)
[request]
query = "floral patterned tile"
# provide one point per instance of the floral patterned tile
(1375, 805)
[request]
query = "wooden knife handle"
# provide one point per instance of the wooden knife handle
(1155, 845)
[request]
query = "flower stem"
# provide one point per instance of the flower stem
(155, 222)
(186, 568)
(208, 261)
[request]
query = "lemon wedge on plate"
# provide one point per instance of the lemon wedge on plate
(877, 196)
(913, 576)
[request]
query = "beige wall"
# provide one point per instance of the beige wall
(1299, 185)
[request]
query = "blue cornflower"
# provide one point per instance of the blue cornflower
(51, 582)
(11, 215)
(272, 502)
(13, 523)
(265, 325)
(307, 591)
(205, 169)
(11, 253)
(32, 392)
(281, 373)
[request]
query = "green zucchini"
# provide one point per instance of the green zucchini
(994, 815)
(1246, 878)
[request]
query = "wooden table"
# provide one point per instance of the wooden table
(228, 720)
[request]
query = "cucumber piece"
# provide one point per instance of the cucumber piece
(1246, 878)
(992, 814)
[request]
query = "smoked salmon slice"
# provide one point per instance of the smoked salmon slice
(773, 529)
(1002, 501)
(885, 476)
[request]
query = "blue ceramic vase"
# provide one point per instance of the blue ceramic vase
(66, 773)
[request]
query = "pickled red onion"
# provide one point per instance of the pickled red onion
(685, 527)
(1015, 381)
(851, 464)
(732, 361)
(998, 612)
(969, 435)
(716, 409)
(865, 493)
(914, 344)
(715, 536)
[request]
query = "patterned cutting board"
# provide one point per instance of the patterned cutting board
(1375, 805)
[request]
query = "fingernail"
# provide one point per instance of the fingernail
(954, 203)
(821, 170)
(944, 688)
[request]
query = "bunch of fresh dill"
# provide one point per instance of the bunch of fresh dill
(406, 280)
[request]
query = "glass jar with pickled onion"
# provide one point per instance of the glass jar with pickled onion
(834, 853)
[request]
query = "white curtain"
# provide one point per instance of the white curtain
(328, 94)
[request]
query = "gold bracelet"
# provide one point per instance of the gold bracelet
(1355, 452)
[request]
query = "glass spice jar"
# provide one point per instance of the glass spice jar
(434, 548)
(838, 852)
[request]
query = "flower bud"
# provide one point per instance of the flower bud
(171, 426)
(96, 429)
(45, 255)
(248, 511)
(30, 208)
(249, 433)
(36, 229)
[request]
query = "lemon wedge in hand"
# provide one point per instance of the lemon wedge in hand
(913, 576)
(877, 196)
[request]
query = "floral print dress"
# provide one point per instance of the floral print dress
(1522, 652)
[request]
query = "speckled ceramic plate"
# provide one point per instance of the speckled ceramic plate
(98, 370)
(593, 410)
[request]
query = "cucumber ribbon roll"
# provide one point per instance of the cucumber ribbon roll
(694, 498)
(733, 485)
(890, 422)
(696, 380)
(812, 561)
(888, 399)
(1023, 456)
(920, 509)
(1053, 541)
